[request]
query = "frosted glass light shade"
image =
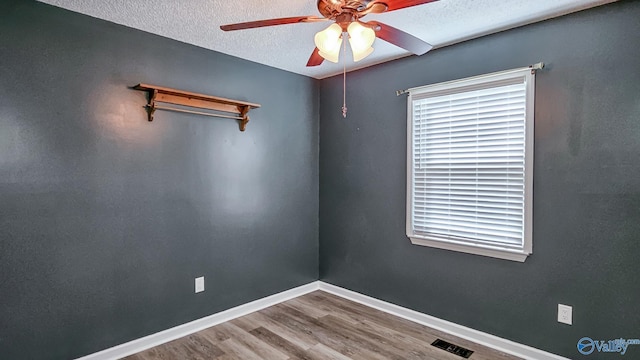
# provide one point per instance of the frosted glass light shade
(360, 38)
(328, 41)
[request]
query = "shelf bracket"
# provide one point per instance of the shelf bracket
(212, 105)
(244, 114)
(151, 107)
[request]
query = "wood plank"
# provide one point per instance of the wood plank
(343, 343)
(360, 325)
(301, 340)
(235, 350)
(324, 352)
(280, 343)
(198, 103)
(368, 341)
(262, 349)
(246, 323)
(394, 349)
(193, 95)
(200, 347)
(214, 334)
(314, 311)
(310, 330)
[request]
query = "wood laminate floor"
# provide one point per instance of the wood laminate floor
(314, 326)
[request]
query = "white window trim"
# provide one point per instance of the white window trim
(464, 246)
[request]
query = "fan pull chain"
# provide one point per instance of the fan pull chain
(344, 78)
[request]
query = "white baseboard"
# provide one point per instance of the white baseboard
(179, 331)
(478, 337)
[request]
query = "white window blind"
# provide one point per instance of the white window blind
(469, 180)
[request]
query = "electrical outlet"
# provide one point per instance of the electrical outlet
(200, 284)
(565, 314)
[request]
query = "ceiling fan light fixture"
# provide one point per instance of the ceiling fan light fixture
(328, 41)
(360, 38)
(357, 56)
(332, 56)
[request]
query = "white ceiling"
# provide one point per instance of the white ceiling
(288, 47)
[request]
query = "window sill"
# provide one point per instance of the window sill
(470, 249)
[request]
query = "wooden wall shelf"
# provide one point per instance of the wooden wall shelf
(214, 106)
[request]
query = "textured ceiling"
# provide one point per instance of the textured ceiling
(288, 47)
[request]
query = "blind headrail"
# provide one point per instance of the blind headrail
(533, 68)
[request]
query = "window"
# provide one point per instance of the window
(470, 164)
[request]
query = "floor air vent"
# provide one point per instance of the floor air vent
(454, 349)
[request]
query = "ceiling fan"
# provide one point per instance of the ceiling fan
(346, 15)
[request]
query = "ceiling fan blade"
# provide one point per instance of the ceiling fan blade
(271, 22)
(374, 7)
(399, 38)
(315, 58)
(401, 4)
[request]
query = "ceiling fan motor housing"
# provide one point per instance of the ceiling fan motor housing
(331, 9)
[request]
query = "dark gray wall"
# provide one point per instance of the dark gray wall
(106, 219)
(586, 197)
